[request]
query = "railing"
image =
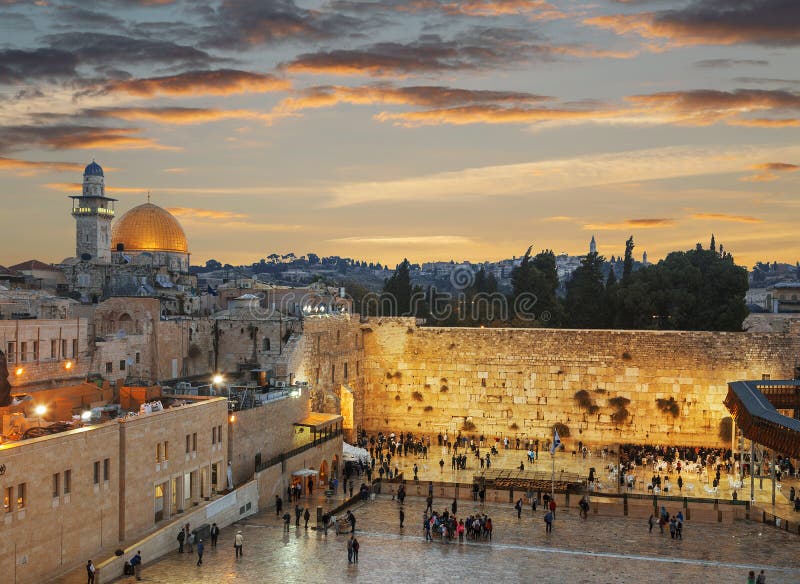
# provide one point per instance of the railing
(792, 526)
(300, 449)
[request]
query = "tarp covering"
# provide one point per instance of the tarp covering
(304, 472)
(354, 453)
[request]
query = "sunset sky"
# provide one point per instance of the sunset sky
(427, 129)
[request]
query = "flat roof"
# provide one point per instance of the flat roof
(317, 420)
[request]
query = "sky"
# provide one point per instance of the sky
(427, 129)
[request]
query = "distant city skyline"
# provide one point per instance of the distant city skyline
(385, 129)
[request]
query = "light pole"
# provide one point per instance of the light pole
(40, 411)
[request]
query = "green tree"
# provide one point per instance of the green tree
(397, 291)
(627, 267)
(586, 303)
(537, 278)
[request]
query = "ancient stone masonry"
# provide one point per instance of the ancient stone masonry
(601, 386)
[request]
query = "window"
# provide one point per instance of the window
(122, 364)
(138, 357)
(219, 433)
(214, 435)
(333, 373)
(266, 343)
(67, 482)
(11, 352)
(765, 376)
(97, 472)
(22, 495)
(35, 350)
(158, 452)
(106, 469)
(56, 485)
(8, 500)
(54, 349)
(109, 367)
(194, 442)
(63, 348)
(23, 351)
(166, 450)
(345, 371)
(74, 348)
(188, 443)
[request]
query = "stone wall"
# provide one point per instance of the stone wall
(520, 382)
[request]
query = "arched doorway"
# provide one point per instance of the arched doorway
(335, 466)
(323, 473)
(346, 401)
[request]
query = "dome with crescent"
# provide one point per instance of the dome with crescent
(148, 228)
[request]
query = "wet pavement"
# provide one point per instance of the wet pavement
(596, 550)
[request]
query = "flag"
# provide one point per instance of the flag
(556, 442)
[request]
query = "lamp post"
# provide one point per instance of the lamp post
(40, 411)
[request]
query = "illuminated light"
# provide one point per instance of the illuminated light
(19, 371)
(68, 365)
(232, 419)
(40, 410)
(217, 379)
(86, 416)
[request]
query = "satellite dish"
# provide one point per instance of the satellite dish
(86, 256)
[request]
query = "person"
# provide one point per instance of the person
(356, 547)
(238, 543)
(751, 577)
(350, 550)
(429, 506)
(553, 507)
(307, 516)
(454, 506)
(548, 522)
(298, 513)
(181, 539)
(352, 522)
(136, 562)
(351, 489)
(416, 478)
(521, 466)
(762, 579)
(441, 465)
(190, 542)
(518, 507)
(200, 549)
(287, 519)
(402, 517)
(651, 522)
(90, 572)
(278, 505)
(214, 534)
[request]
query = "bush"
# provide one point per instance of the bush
(620, 415)
(585, 401)
(562, 429)
(417, 396)
(428, 408)
(443, 389)
(669, 406)
(726, 429)
(619, 402)
(513, 426)
(468, 426)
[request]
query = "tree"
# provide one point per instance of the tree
(213, 265)
(586, 305)
(397, 291)
(713, 245)
(627, 267)
(537, 279)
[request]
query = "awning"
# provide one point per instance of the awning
(317, 420)
(304, 472)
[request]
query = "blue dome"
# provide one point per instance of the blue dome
(93, 169)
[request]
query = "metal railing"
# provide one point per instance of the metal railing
(300, 449)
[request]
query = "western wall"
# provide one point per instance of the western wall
(604, 386)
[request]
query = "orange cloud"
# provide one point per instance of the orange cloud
(491, 114)
(27, 167)
(204, 214)
(726, 217)
(535, 9)
(201, 82)
(768, 169)
(177, 115)
(70, 187)
(67, 137)
(631, 223)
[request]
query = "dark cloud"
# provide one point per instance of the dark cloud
(67, 137)
(478, 48)
(20, 65)
(74, 16)
(727, 63)
(239, 24)
(109, 49)
(767, 81)
(199, 82)
(534, 9)
(714, 22)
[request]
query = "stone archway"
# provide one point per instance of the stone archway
(323, 473)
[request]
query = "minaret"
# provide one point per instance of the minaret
(644, 259)
(593, 246)
(93, 212)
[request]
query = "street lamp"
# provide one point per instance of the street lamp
(217, 379)
(40, 411)
(86, 416)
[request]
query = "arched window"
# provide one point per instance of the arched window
(266, 344)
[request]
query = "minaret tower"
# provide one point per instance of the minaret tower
(93, 212)
(593, 246)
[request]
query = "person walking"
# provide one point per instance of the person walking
(200, 549)
(518, 507)
(651, 522)
(548, 522)
(278, 505)
(350, 550)
(90, 572)
(136, 562)
(214, 534)
(356, 547)
(181, 539)
(429, 504)
(298, 513)
(190, 543)
(306, 516)
(238, 543)
(762, 579)
(553, 507)
(287, 519)
(454, 507)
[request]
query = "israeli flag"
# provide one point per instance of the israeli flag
(556, 442)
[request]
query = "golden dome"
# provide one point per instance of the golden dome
(148, 227)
